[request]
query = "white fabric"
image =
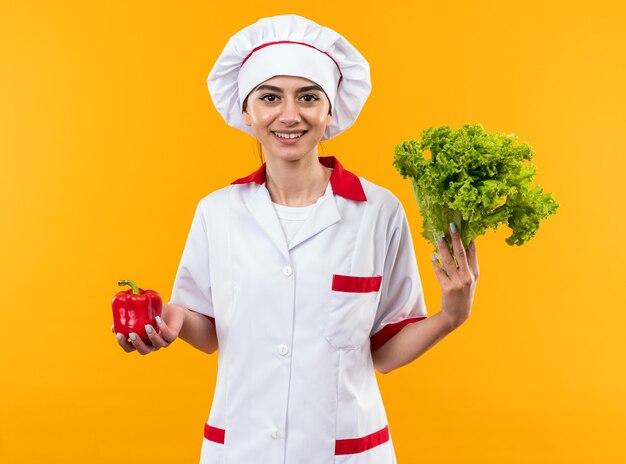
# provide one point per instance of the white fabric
(291, 218)
(289, 59)
(351, 93)
(295, 371)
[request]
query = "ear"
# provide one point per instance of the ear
(329, 116)
(329, 119)
(246, 118)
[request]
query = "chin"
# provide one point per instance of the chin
(291, 154)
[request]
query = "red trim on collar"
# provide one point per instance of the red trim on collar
(342, 182)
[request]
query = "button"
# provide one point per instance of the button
(275, 433)
(283, 349)
(287, 271)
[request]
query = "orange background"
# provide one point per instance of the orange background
(108, 139)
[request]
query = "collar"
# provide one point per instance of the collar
(342, 182)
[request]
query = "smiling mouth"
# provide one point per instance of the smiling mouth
(289, 135)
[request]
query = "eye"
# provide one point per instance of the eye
(310, 98)
(270, 97)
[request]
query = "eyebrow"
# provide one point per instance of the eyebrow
(273, 88)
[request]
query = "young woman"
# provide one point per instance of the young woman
(302, 273)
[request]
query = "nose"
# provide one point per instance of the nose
(290, 114)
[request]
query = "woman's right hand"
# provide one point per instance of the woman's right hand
(169, 326)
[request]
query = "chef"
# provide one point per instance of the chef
(302, 275)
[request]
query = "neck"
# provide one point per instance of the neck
(296, 183)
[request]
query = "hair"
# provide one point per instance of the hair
(259, 149)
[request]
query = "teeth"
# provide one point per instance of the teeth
(293, 135)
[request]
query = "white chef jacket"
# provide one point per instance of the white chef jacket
(296, 323)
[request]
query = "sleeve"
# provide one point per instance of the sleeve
(192, 285)
(402, 299)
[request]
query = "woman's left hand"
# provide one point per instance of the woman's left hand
(457, 283)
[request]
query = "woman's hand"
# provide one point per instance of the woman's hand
(457, 283)
(169, 327)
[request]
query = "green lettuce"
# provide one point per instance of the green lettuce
(476, 179)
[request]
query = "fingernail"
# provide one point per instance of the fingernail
(148, 329)
(158, 319)
(133, 337)
(120, 337)
(453, 227)
(440, 239)
(433, 257)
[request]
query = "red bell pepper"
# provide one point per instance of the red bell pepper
(134, 308)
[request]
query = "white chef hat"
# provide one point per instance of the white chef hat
(290, 45)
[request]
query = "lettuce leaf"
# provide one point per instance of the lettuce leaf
(476, 179)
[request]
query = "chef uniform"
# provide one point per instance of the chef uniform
(298, 312)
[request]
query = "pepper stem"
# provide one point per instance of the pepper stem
(133, 285)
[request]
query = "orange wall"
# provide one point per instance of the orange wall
(108, 139)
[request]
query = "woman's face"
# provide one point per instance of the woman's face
(288, 115)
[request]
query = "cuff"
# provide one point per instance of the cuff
(383, 335)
